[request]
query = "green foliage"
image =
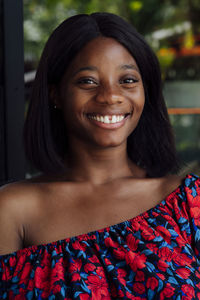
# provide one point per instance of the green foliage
(42, 16)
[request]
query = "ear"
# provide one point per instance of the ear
(54, 96)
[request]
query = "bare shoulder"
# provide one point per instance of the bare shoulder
(17, 202)
(171, 183)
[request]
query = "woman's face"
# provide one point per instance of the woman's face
(101, 94)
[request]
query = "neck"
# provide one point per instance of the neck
(100, 165)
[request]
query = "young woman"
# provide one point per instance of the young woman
(106, 219)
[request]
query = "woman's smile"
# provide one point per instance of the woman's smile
(108, 121)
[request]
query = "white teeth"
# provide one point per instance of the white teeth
(114, 119)
(101, 119)
(108, 119)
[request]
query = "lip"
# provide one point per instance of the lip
(109, 125)
(109, 113)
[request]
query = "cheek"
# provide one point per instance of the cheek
(69, 104)
(73, 107)
(138, 100)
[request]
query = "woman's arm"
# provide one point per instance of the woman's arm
(11, 229)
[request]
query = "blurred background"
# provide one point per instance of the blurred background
(171, 27)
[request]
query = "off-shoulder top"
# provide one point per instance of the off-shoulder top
(155, 255)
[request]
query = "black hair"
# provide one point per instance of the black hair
(151, 145)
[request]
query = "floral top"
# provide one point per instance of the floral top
(152, 256)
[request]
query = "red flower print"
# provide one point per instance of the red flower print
(19, 266)
(76, 277)
(75, 266)
(139, 276)
(119, 254)
(56, 288)
(161, 276)
(130, 296)
(6, 274)
(135, 225)
(147, 233)
(182, 259)
(198, 285)
(132, 242)
(176, 209)
(152, 247)
(152, 283)
(188, 290)
(165, 253)
(162, 266)
(139, 287)
(164, 233)
(121, 294)
(94, 259)
(121, 274)
(97, 247)
(183, 272)
(85, 297)
(107, 262)
(197, 274)
(135, 260)
(195, 212)
(31, 284)
(12, 261)
(42, 276)
(20, 296)
(25, 272)
(100, 271)
(110, 243)
(180, 241)
(45, 290)
(57, 273)
(167, 292)
(79, 246)
(186, 298)
(98, 287)
(169, 219)
(89, 268)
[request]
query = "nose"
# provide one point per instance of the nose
(108, 94)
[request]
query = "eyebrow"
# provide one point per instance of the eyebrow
(131, 66)
(88, 68)
(92, 68)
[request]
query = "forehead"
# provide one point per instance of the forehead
(103, 50)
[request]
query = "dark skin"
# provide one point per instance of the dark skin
(101, 186)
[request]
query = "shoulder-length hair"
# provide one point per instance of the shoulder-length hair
(150, 145)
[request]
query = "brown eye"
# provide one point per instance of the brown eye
(88, 81)
(128, 80)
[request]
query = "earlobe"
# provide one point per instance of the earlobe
(53, 96)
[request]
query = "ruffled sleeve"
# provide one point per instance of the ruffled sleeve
(192, 206)
(17, 271)
(185, 207)
(3, 279)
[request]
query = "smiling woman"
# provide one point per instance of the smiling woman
(45, 130)
(106, 219)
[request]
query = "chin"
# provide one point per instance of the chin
(106, 143)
